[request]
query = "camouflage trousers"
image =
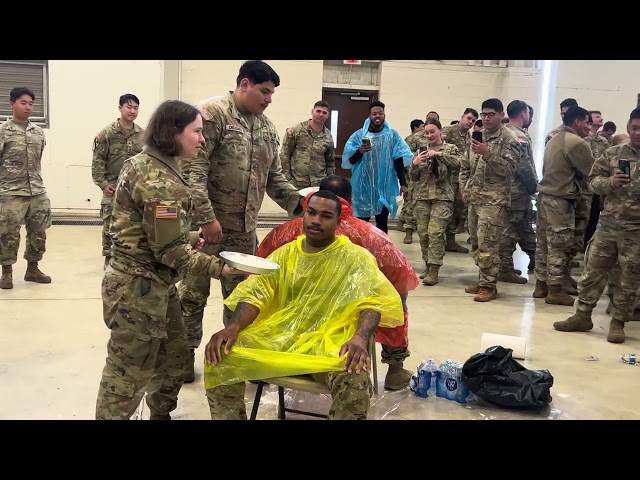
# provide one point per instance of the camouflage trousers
(106, 213)
(35, 213)
(606, 249)
(614, 283)
(148, 349)
(432, 218)
(555, 238)
(458, 209)
(350, 394)
(406, 213)
(194, 290)
(486, 225)
(518, 229)
(583, 211)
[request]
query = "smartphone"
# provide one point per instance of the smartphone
(423, 149)
(366, 141)
(625, 166)
(477, 136)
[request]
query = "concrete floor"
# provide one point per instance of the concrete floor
(53, 344)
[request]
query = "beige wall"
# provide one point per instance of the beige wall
(610, 86)
(83, 98)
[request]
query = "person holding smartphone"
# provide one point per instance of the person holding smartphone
(615, 175)
(485, 176)
(377, 156)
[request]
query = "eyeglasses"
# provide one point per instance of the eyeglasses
(488, 115)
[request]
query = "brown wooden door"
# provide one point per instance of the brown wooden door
(351, 108)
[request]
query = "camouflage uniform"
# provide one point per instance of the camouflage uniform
(307, 156)
(229, 178)
(350, 394)
(433, 196)
(552, 134)
(406, 213)
(487, 183)
(616, 238)
(566, 165)
(462, 141)
(23, 197)
(111, 147)
(148, 348)
(523, 185)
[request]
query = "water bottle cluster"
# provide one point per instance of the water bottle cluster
(444, 380)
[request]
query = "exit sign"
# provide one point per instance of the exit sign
(352, 62)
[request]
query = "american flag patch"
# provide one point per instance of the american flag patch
(162, 211)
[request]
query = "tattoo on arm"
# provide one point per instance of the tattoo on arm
(368, 322)
(244, 314)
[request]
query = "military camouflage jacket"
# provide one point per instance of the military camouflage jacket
(525, 179)
(437, 185)
(307, 156)
(462, 141)
(111, 147)
(597, 144)
(552, 133)
(487, 180)
(21, 159)
(235, 168)
(150, 226)
(622, 205)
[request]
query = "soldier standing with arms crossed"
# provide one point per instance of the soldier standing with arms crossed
(112, 146)
(23, 197)
(238, 164)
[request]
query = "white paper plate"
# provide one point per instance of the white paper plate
(248, 263)
(306, 191)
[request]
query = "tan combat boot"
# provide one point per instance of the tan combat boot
(579, 322)
(190, 375)
(33, 274)
(452, 246)
(473, 289)
(511, 277)
(408, 236)
(485, 294)
(397, 377)
(616, 331)
(426, 271)
(432, 277)
(557, 296)
(541, 290)
(6, 281)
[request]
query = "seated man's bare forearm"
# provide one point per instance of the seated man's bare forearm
(368, 322)
(244, 315)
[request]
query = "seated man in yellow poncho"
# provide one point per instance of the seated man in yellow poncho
(314, 315)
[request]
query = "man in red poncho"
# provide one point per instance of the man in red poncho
(391, 262)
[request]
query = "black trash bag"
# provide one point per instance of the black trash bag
(496, 377)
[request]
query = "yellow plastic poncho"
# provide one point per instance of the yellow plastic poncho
(309, 308)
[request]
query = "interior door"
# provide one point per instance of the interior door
(349, 110)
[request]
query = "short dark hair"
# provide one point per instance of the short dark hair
(568, 102)
(129, 97)
(516, 107)
(505, 120)
(168, 120)
(338, 185)
(478, 124)
(595, 111)
(454, 122)
(609, 126)
(433, 111)
(433, 121)
(328, 195)
(472, 111)
(257, 72)
(17, 92)
(415, 123)
(322, 103)
(493, 103)
(376, 103)
(530, 110)
(635, 114)
(573, 114)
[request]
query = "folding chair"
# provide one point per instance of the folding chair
(305, 383)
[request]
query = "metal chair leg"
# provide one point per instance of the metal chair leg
(256, 401)
(281, 408)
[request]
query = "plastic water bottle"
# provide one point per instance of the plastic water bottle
(441, 377)
(462, 393)
(451, 382)
(432, 368)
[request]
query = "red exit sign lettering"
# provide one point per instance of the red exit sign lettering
(352, 62)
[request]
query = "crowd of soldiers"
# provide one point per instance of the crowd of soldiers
(476, 175)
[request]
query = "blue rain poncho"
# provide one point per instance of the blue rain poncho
(374, 180)
(309, 308)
